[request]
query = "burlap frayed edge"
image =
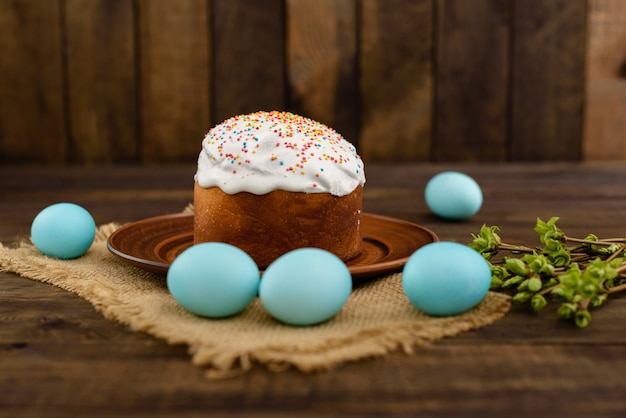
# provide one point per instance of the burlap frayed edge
(40, 269)
(370, 343)
(220, 363)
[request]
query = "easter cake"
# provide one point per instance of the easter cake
(272, 182)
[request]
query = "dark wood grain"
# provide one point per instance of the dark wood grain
(472, 80)
(548, 80)
(605, 98)
(102, 81)
(175, 52)
(248, 56)
(126, 81)
(396, 41)
(321, 59)
(32, 114)
(59, 357)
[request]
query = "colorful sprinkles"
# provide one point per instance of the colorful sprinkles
(297, 145)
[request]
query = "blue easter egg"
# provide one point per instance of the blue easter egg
(63, 230)
(305, 286)
(453, 195)
(213, 279)
(446, 278)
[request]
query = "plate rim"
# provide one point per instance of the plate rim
(357, 272)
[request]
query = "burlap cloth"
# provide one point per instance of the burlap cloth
(376, 320)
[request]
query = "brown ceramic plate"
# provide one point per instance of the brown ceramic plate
(152, 244)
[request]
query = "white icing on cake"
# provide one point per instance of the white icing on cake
(266, 151)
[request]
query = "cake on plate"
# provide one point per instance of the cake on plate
(272, 182)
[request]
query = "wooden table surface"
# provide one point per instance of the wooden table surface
(60, 357)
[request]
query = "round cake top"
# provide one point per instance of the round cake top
(266, 151)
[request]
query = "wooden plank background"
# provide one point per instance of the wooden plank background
(396, 80)
(33, 117)
(471, 116)
(605, 106)
(89, 82)
(547, 93)
(174, 75)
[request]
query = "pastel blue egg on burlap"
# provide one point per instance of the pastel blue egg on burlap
(213, 279)
(305, 286)
(63, 230)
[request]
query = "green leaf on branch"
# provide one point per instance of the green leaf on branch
(577, 277)
(516, 266)
(538, 263)
(548, 230)
(487, 241)
(538, 302)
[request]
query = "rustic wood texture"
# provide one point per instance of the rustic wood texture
(32, 109)
(321, 60)
(137, 81)
(548, 80)
(175, 54)
(248, 57)
(471, 100)
(102, 81)
(605, 107)
(396, 80)
(59, 357)
(102, 89)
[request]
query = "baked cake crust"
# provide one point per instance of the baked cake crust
(267, 226)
